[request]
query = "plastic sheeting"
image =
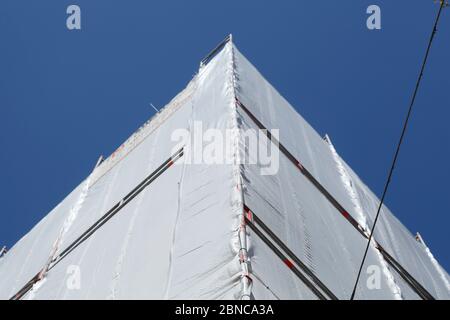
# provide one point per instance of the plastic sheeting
(306, 221)
(183, 236)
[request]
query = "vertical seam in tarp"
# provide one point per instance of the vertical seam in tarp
(238, 192)
(180, 188)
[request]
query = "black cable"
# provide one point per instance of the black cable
(443, 3)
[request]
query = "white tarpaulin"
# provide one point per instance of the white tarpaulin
(183, 233)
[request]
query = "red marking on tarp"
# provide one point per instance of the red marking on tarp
(288, 263)
(345, 214)
(248, 213)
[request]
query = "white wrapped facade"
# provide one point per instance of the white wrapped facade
(149, 224)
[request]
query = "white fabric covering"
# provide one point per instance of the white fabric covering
(179, 238)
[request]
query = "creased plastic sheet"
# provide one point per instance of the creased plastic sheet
(265, 264)
(128, 257)
(205, 254)
(302, 217)
(309, 225)
(127, 173)
(176, 239)
(179, 238)
(101, 196)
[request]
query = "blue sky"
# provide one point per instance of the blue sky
(68, 96)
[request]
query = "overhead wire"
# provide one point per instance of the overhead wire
(443, 3)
